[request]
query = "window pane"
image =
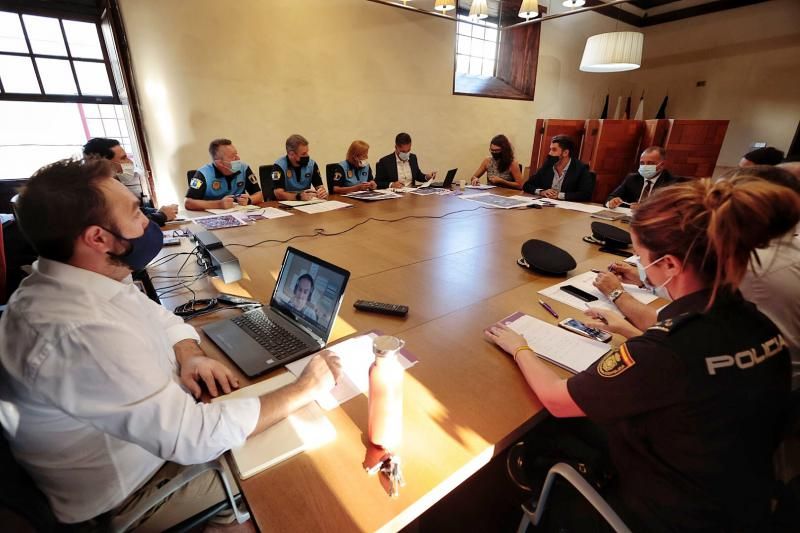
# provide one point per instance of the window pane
(111, 127)
(93, 78)
(11, 37)
(462, 64)
(95, 126)
(82, 39)
(476, 48)
(463, 29)
(17, 75)
(477, 31)
(56, 76)
(488, 67)
(90, 110)
(107, 111)
(491, 35)
(488, 49)
(45, 35)
(463, 44)
(475, 66)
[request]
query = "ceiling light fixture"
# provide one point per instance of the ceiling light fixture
(479, 10)
(613, 52)
(529, 9)
(573, 3)
(445, 5)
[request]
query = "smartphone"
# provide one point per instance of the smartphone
(576, 326)
(578, 293)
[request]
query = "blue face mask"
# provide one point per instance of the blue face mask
(141, 250)
(648, 171)
(659, 291)
(236, 166)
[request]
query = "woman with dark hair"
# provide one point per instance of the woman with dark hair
(501, 168)
(705, 386)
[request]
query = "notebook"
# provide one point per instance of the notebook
(297, 322)
(305, 429)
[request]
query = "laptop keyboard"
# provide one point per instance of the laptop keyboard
(274, 338)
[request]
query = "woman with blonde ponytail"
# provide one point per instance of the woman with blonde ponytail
(693, 406)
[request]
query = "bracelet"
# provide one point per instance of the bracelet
(526, 347)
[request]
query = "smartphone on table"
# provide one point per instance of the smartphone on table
(576, 326)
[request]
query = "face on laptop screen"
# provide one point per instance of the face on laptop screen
(309, 291)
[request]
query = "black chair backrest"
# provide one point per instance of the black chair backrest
(267, 188)
(330, 170)
(21, 502)
(189, 175)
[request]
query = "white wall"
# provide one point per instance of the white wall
(334, 71)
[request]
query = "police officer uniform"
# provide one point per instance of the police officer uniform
(347, 175)
(295, 179)
(209, 183)
(692, 409)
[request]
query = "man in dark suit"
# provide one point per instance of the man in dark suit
(562, 177)
(400, 168)
(639, 185)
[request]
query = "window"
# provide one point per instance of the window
(476, 47)
(51, 59)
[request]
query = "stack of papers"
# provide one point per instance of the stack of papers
(500, 202)
(295, 203)
(425, 190)
(234, 209)
(356, 356)
(559, 346)
(230, 220)
(322, 206)
(481, 187)
(584, 282)
(384, 194)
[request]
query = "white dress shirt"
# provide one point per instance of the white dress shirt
(90, 399)
(404, 175)
(774, 287)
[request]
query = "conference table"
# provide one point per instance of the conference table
(453, 262)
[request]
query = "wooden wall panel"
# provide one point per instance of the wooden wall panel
(693, 146)
(614, 154)
(518, 57)
(655, 133)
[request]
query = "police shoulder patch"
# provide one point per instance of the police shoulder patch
(337, 176)
(615, 363)
(252, 178)
(196, 183)
(670, 325)
(276, 176)
(289, 173)
(349, 173)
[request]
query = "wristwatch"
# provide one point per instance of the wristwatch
(616, 293)
(298, 196)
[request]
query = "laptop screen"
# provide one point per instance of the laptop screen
(310, 290)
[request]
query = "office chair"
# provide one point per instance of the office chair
(189, 175)
(267, 185)
(2, 268)
(533, 510)
(330, 171)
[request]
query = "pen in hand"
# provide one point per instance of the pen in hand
(548, 308)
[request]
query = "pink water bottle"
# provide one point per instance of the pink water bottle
(386, 394)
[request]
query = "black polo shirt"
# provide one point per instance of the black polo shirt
(692, 409)
(251, 184)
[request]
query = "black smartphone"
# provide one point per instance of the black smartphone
(578, 293)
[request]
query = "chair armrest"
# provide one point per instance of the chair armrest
(187, 475)
(535, 512)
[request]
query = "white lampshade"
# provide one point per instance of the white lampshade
(613, 52)
(444, 5)
(529, 9)
(573, 3)
(479, 10)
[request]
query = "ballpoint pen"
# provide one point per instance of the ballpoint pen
(548, 308)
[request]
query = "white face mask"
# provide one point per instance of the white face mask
(404, 156)
(363, 162)
(647, 171)
(127, 167)
(661, 291)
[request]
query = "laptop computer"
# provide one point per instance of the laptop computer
(297, 322)
(448, 180)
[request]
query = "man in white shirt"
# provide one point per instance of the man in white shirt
(96, 380)
(400, 168)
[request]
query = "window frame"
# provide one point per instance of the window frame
(465, 19)
(64, 98)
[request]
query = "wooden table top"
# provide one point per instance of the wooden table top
(465, 401)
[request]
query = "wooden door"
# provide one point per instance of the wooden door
(693, 146)
(546, 129)
(614, 152)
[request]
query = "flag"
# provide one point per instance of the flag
(618, 111)
(640, 110)
(604, 113)
(662, 111)
(628, 108)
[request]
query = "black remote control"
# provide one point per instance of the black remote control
(380, 307)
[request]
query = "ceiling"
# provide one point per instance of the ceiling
(636, 12)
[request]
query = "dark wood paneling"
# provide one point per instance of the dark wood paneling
(655, 133)
(547, 130)
(693, 146)
(613, 146)
(518, 57)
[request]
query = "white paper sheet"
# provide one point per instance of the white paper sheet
(564, 348)
(234, 209)
(498, 201)
(577, 206)
(384, 194)
(295, 203)
(481, 187)
(268, 212)
(356, 356)
(584, 282)
(323, 207)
